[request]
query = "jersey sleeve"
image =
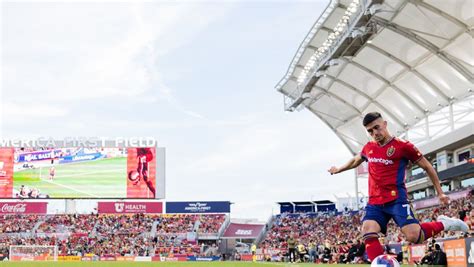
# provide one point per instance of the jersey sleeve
(363, 153)
(412, 153)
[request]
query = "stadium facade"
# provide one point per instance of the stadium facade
(411, 60)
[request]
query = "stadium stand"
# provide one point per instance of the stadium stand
(328, 237)
(336, 236)
(109, 235)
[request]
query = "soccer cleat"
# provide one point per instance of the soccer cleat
(452, 224)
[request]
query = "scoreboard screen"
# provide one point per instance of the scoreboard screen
(82, 172)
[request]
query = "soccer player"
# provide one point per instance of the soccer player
(387, 157)
(52, 172)
(144, 156)
(291, 241)
(253, 248)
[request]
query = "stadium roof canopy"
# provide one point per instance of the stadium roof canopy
(411, 60)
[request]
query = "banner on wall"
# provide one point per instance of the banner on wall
(416, 253)
(426, 203)
(198, 207)
(197, 258)
(455, 252)
(130, 207)
(23, 207)
(470, 251)
(240, 230)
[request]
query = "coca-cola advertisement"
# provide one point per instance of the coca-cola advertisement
(130, 207)
(23, 207)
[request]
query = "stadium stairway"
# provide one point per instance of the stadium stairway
(268, 227)
(154, 226)
(196, 226)
(37, 225)
(223, 226)
(94, 229)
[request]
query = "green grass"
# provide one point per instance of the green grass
(169, 264)
(92, 179)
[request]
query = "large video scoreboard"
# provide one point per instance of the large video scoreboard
(82, 172)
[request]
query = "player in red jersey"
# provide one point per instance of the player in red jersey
(144, 156)
(388, 157)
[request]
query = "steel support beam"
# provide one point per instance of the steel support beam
(427, 45)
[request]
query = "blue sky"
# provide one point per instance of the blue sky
(198, 76)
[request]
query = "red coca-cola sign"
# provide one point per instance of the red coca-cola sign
(130, 207)
(17, 208)
(23, 207)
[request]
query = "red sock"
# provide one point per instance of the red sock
(373, 248)
(430, 229)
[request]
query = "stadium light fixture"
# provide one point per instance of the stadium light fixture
(320, 73)
(338, 30)
(334, 62)
(359, 32)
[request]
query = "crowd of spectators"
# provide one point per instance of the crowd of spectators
(176, 223)
(336, 238)
(71, 223)
(309, 236)
(210, 223)
(110, 235)
(124, 224)
(17, 223)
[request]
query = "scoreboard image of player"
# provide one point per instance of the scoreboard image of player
(81, 172)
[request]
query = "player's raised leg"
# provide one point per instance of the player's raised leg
(414, 232)
(418, 233)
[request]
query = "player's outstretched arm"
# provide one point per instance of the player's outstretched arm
(351, 164)
(431, 172)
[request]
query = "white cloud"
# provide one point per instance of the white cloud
(89, 52)
(82, 52)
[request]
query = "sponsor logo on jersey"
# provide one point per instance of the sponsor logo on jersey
(380, 160)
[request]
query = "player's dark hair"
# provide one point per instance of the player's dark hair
(370, 117)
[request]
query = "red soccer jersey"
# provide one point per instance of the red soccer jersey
(387, 166)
